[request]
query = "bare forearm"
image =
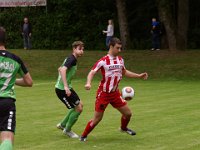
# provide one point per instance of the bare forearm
(131, 74)
(136, 75)
(21, 82)
(90, 77)
(26, 81)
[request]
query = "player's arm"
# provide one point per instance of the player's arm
(130, 74)
(25, 81)
(63, 70)
(89, 79)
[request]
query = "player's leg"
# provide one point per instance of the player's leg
(62, 97)
(91, 124)
(126, 115)
(73, 101)
(73, 117)
(70, 103)
(122, 106)
(101, 103)
(7, 123)
(63, 123)
(7, 138)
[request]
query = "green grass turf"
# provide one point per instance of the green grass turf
(166, 117)
(182, 65)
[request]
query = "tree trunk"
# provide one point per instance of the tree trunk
(169, 23)
(182, 26)
(123, 24)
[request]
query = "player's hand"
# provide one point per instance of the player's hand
(144, 75)
(88, 86)
(67, 91)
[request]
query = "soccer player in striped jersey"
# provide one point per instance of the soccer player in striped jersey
(65, 91)
(10, 66)
(112, 69)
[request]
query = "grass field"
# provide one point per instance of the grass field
(166, 107)
(166, 117)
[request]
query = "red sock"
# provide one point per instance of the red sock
(90, 126)
(124, 122)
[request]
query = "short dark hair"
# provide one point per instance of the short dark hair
(77, 43)
(114, 41)
(2, 35)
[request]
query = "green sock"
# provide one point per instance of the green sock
(66, 118)
(6, 145)
(72, 120)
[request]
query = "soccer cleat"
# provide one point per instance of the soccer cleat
(83, 139)
(128, 131)
(59, 126)
(71, 134)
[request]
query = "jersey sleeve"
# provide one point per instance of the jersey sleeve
(124, 68)
(123, 64)
(69, 62)
(22, 70)
(98, 65)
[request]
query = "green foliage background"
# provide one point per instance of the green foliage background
(63, 21)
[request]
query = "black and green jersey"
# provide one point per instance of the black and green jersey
(10, 66)
(70, 63)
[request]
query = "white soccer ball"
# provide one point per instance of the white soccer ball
(127, 93)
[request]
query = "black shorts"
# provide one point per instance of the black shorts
(7, 114)
(70, 101)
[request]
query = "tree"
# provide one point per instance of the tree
(174, 15)
(182, 25)
(123, 24)
(167, 19)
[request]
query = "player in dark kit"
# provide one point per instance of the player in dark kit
(65, 91)
(10, 66)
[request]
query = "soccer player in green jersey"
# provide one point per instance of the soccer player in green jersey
(65, 91)
(10, 66)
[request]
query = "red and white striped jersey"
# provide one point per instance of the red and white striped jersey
(111, 69)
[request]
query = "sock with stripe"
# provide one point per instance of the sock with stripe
(124, 122)
(90, 126)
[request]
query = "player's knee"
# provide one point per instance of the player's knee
(96, 121)
(128, 115)
(79, 108)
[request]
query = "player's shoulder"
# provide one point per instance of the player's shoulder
(10, 55)
(103, 58)
(120, 58)
(71, 57)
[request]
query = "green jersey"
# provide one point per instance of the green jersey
(70, 63)
(10, 66)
